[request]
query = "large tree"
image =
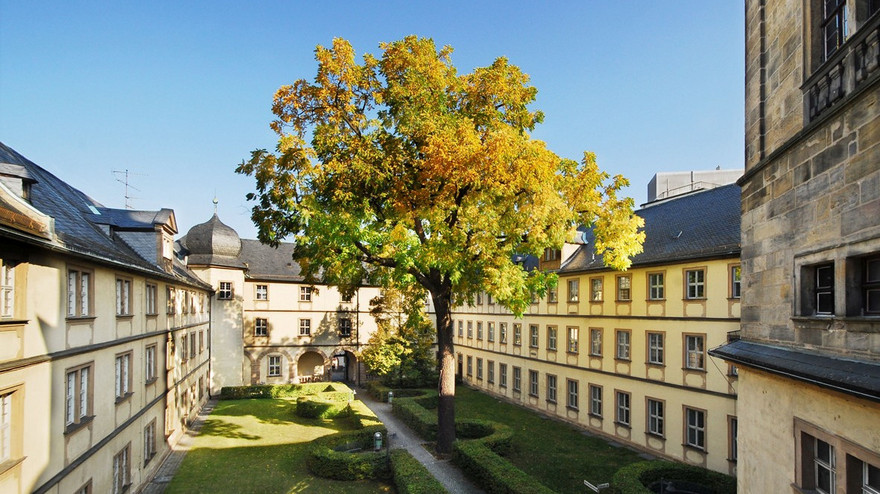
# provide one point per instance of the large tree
(400, 170)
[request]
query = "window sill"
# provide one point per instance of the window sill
(694, 448)
(83, 422)
(124, 316)
(12, 321)
(552, 402)
(552, 302)
(80, 318)
(690, 369)
(656, 365)
(596, 301)
(622, 424)
(573, 409)
(621, 359)
(151, 380)
(595, 355)
(10, 464)
(654, 435)
(123, 398)
(734, 299)
(694, 299)
(624, 301)
(595, 416)
(649, 300)
(148, 458)
(273, 375)
(152, 316)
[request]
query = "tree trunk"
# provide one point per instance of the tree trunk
(446, 386)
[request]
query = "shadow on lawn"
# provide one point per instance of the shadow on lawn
(273, 412)
(214, 427)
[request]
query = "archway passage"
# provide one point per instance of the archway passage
(345, 366)
(310, 367)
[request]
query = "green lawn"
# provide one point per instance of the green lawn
(557, 454)
(259, 445)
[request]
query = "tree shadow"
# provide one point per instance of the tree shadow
(214, 427)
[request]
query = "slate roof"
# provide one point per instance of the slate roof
(76, 229)
(130, 219)
(856, 377)
(699, 225)
(269, 263)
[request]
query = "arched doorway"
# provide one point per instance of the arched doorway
(310, 366)
(345, 366)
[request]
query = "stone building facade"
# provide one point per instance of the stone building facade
(624, 354)
(809, 353)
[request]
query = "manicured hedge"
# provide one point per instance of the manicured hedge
(491, 472)
(332, 456)
(380, 391)
(634, 478)
(319, 407)
(421, 420)
(284, 391)
(411, 477)
(362, 416)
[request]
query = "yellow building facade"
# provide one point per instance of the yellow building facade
(104, 338)
(624, 354)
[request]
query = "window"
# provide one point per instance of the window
(152, 293)
(5, 427)
(347, 297)
(817, 289)
(305, 327)
(573, 287)
(149, 441)
(123, 297)
(150, 363)
(490, 371)
(596, 342)
(695, 428)
(479, 298)
(572, 394)
(274, 365)
(517, 379)
(624, 288)
(123, 376)
(830, 464)
(345, 327)
(305, 294)
(551, 254)
(572, 339)
(470, 366)
(183, 348)
(551, 388)
(732, 451)
(225, 291)
(533, 383)
(170, 304)
(460, 329)
(695, 285)
(261, 326)
(595, 400)
(533, 335)
(656, 287)
(502, 375)
(596, 289)
(832, 26)
(517, 334)
(735, 281)
(655, 348)
(78, 402)
(489, 299)
(871, 287)
(695, 355)
(262, 292)
(623, 338)
(79, 293)
(552, 295)
(7, 288)
(470, 332)
(622, 407)
(656, 417)
(122, 470)
(490, 329)
(480, 369)
(192, 345)
(551, 338)
(479, 330)
(502, 332)
(201, 342)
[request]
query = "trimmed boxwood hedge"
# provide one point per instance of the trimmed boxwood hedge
(332, 457)
(284, 391)
(634, 478)
(411, 477)
(492, 472)
(319, 407)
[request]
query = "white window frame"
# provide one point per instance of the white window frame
(517, 379)
(573, 290)
(151, 296)
(305, 294)
(551, 338)
(533, 383)
(655, 348)
(78, 399)
(150, 352)
(344, 327)
(305, 327)
(225, 291)
(261, 326)
(695, 427)
(261, 292)
(736, 281)
(623, 407)
(123, 297)
(6, 402)
(7, 288)
(502, 375)
(274, 366)
(122, 382)
(695, 351)
(623, 345)
(656, 415)
(573, 394)
(149, 441)
(80, 286)
(595, 400)
(596, 342)
(534, 335)
(502, 333)
(624, 288)
(656, 286)
(551, 388)
(695, 284)
(122, 470)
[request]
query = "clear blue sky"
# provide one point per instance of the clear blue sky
(180, 92)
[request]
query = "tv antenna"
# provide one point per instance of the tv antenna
(122, 177)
